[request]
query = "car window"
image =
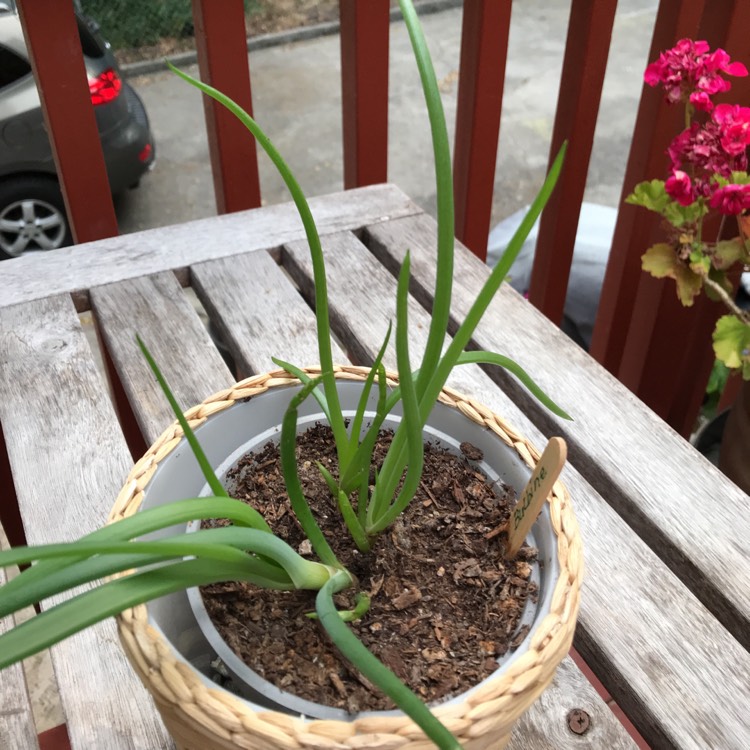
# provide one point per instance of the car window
(12, 67)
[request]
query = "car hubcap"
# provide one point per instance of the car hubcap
(30, 225)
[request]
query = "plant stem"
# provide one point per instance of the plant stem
(719, 290)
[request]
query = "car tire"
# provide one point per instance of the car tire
(32, 216)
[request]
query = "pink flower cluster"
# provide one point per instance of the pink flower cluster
(703, 152)
(690, 72)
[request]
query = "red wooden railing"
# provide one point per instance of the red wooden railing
(658, 349)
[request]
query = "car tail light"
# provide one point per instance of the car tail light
(145, 153)
(105, 87)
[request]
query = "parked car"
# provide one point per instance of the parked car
(32, 212)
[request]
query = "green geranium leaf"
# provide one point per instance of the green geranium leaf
(699, 263)
(650, 195)
(728, 252)
(739, 178)
(661, 261)
(732, 344)
(718, 378)
(678, 215)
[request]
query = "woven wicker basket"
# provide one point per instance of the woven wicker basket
(200, 717)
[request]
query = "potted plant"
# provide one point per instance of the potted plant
(708, 181)
(380, 429)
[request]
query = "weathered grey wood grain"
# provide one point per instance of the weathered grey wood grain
(16, 719)
(155, 307)
(545, 727)
(651, 475)
(258, 312)
(69, 459)
(664, 657)
(362, 328)
(76, 269)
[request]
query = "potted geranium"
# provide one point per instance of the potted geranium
(370, 479)
(708, 179)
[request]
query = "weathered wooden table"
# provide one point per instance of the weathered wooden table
(666, 604)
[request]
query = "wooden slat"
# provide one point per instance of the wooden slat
(545, 725)
(657, 483)
(484, 46)
(51, 34)
(221, 44)
(69, 460)
(650, 661)
(665, 342)
(364, 90)
(155, 308)
(16, 719)
(637, 229)
(362, 335)
(76, 269)
(258, 312)
(586, 51)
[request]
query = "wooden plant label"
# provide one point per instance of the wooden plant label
(535, 493)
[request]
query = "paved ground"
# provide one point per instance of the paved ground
(296, 91)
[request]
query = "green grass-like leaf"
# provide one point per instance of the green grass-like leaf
(304, 378)
(46, 574)
(444, 192)
(291, 477)
(84, 610)
(395, 460)
(347, 512)
(490, 358)
(213, 481)
(313, 239)
(356, 425)
(377, 518)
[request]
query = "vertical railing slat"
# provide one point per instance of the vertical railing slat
(221, 43)
(365, 27)
(636, 229)
(51, 34)
(484, 48)
(666, 354)
(586, 52)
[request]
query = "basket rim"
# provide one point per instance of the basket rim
(181, 692)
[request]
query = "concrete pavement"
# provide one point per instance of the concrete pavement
(297, 99)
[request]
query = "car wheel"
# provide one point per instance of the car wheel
(32, 216)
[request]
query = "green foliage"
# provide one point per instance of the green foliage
(732, 343)
(661, 261)
(650, 195)
(680, 216)
(728, 252)
(137, 23)
(715, 387)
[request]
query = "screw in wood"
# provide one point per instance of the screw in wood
(579, 721)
